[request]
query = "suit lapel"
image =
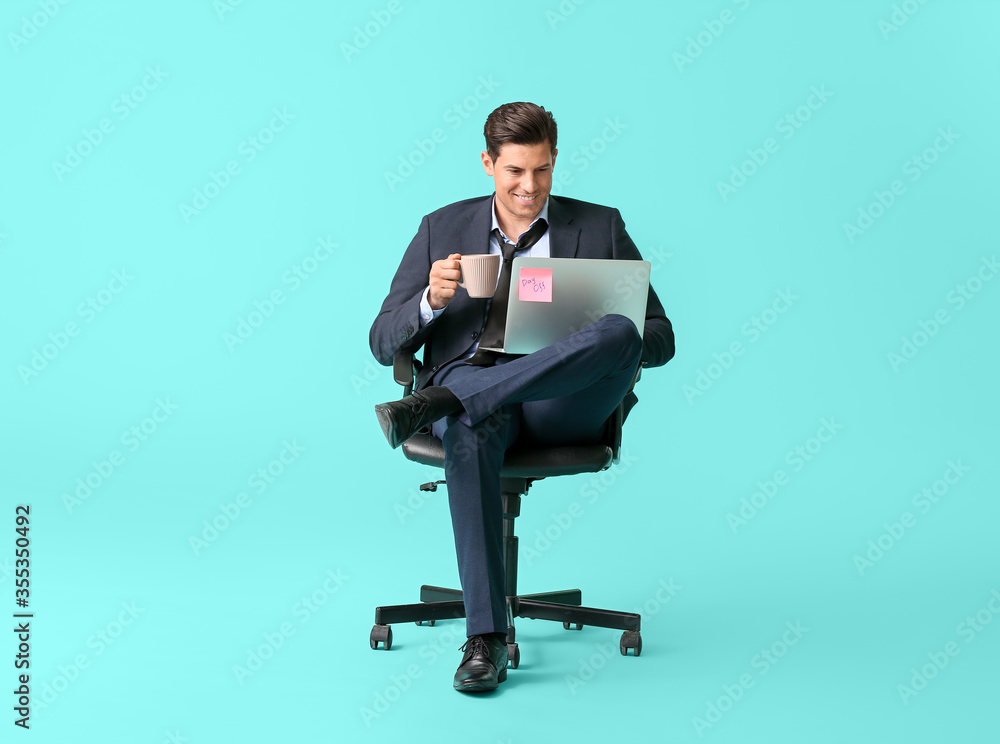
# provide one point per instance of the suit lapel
(564, 236)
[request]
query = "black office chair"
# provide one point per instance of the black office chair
(521, 467)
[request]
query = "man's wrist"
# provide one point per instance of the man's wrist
(427, 313)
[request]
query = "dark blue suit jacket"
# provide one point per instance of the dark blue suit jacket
(576, 230)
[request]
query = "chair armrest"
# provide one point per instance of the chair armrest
(404, 370)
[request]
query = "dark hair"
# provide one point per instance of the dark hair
(520, 124)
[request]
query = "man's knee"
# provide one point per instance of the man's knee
(622, 335)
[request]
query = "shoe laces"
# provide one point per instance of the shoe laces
(476, 644)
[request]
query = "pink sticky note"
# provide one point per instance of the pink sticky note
(534, 285)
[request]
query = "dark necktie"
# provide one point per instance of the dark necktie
(496, 321)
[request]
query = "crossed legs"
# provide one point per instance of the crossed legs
(560, 395)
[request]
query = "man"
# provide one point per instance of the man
(479, 402)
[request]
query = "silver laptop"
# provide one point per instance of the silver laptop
(552, 298)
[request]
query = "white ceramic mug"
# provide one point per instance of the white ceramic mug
(479, 273)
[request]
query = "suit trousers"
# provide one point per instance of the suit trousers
(560, 395)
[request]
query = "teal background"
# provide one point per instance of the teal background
(305, 376)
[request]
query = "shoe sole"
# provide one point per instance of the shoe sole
(385, 421)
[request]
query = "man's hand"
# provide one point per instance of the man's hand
(443, 281)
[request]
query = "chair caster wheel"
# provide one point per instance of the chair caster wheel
(513, 655)
(429, 622)
(631, 639)
(383, 634)
(568, 626)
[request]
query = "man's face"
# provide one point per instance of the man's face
(522, 176)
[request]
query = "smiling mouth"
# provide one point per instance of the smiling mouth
(527, 199)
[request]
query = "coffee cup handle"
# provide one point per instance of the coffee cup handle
(460, 277)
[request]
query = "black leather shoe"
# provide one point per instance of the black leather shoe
(484, 665)
(401, 419)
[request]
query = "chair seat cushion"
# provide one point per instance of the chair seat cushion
(521, 463)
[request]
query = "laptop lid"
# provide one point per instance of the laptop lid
(552, 298)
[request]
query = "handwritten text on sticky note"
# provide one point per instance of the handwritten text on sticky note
(534, 285)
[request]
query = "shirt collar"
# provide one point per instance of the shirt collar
(544, 214)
